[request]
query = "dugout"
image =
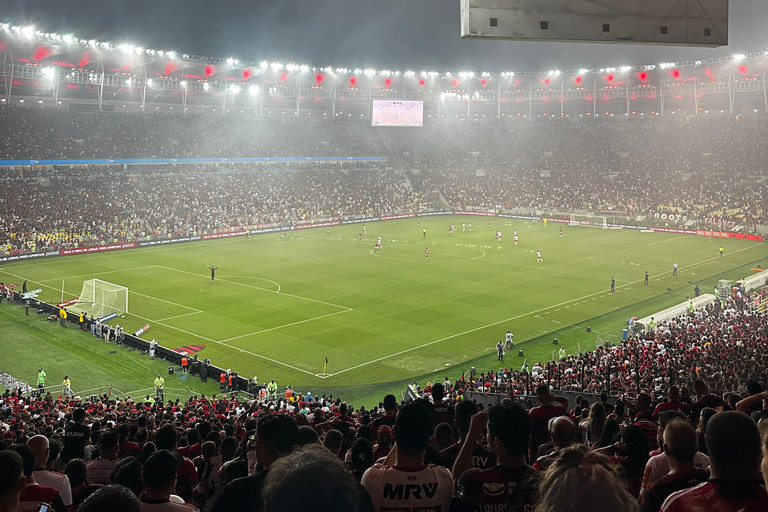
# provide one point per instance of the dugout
(675, 311)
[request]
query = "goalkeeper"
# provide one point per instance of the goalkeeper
(213, 271)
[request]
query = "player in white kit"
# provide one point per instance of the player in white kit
(463, 227)
(538, 257)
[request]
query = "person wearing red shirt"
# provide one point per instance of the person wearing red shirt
(551, 407)
(673, 403)
(733, 442)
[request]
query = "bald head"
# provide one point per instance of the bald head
(39, 446)
(680, 441)
(673, 393)
(563, 432)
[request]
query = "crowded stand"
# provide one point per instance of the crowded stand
(682, 414)
(704, 171)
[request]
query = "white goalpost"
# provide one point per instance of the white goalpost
(597, 221)
(100, 297)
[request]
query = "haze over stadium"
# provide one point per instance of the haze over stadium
(275, 238)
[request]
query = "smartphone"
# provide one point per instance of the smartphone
(44, 508)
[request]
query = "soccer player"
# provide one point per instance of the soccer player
(561, 230)
(489, 225)
(538, 257)
(514, 233)
(379, 241)
(359, 235)
(213, 271)
(426, 253)
(470, 226)
(498, 236)
(450, 230)
(418, 225)
(613, 284)
(674, 269)
(376, 247)
(721, 251)
(424, 232)
(327, 231)
(509, 343)
(364, 231)
(646, 277)
(500, 350)
(515, 238)
(282, 235)
(463, 227)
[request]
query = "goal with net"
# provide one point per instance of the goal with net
(598, 221)
(102, 298)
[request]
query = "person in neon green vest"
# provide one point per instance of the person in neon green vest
(652, 324)
(41, 380)
(272, 389)
(159, 385)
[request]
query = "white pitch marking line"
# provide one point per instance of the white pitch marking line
(56, 279)
(479, 329)
(282, 326)
(163, 300)
(667, 240)
(243, 351)
(178, 316)
(263, 289)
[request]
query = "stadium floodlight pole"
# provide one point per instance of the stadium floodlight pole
(696, 97)
(101, 84)
(628, 100)
(730, 93)
(498, 104)
(184, 90)
(594, 97)
(661, 94)
(765, 94)
(530, 101)
(144, 89)
(562, 98)
(9, 83)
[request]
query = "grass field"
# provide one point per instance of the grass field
(279, 307)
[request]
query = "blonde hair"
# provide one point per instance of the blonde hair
(581, 479)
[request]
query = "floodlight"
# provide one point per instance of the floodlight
(254, 89)
(624, 69)
(183, 83)
(28, 31)
(48, 72)
(206, 86)
(230, 61)
(739, 57)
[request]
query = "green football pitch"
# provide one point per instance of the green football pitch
(280, 306)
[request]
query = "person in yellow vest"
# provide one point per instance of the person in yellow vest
(272, 389)
(63, 317)
(66, 387)
(159, 385)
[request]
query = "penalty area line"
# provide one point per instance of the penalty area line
(470, 331)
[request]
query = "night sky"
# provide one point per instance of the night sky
(384, 34)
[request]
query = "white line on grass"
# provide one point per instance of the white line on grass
(491, 325)
(242, 351)
(667, 240)
(178, 316)
(282, 326)
(260, 288)
(56, 279)
(163, 300)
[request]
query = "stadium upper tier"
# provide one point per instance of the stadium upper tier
(709, 172)
(85, 74)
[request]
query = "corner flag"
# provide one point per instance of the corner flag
(324, 366)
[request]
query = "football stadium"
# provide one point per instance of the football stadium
(224, 277)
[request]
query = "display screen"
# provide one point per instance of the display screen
(397, 113)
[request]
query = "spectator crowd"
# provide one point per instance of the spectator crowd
(682, 422)
(705, 171)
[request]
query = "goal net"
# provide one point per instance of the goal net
(598, 221)
(102, 298)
